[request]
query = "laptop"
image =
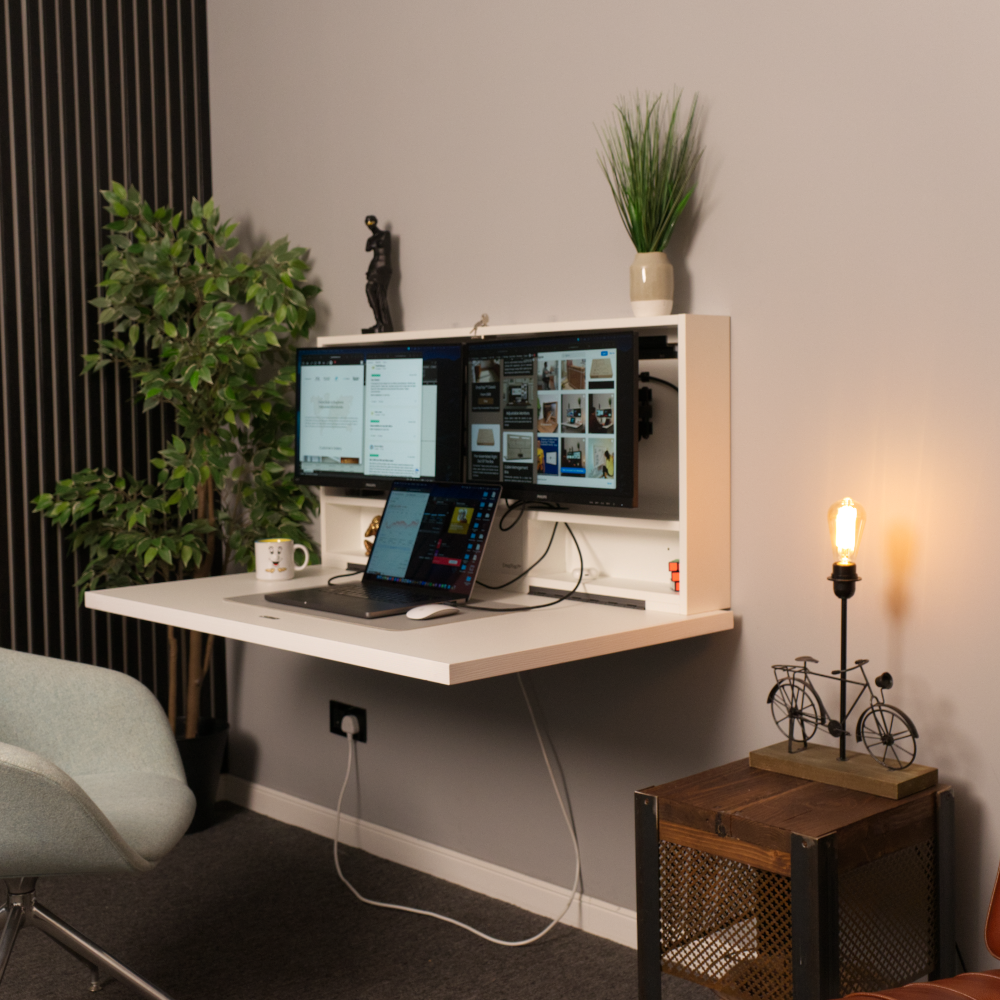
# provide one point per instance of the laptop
(428, 550)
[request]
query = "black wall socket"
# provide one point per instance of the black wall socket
(338, 710)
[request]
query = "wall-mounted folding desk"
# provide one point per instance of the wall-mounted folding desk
(683, 516)
(445, 650)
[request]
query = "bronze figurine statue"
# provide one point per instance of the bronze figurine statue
(379, 274)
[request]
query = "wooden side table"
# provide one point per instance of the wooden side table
(763, 886)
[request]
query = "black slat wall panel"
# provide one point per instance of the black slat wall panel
(90, 91)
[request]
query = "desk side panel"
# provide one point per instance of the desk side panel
(704, 455)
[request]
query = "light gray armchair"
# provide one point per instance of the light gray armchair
(90, 783)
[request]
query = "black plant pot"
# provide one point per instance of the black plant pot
(202, 756)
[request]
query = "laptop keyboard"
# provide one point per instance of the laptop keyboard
(391, 594)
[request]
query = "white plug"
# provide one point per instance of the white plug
(591, 574)
(350, 726)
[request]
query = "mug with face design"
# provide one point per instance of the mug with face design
(275, 558)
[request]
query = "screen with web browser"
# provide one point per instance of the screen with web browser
(368, 415)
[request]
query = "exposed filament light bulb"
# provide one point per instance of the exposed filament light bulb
(847, 522)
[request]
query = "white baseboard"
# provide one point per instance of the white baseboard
(591, 915)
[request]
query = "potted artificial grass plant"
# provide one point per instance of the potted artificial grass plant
(649, 159)
(209, 334)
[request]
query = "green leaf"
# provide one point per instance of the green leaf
(150, 555)
(229, 416)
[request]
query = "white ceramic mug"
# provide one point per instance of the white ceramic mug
(275, 558)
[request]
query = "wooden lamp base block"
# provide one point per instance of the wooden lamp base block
(860, 771)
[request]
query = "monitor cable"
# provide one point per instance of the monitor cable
(646, 377)
(350, 726)
(501, 586)
(538, 607)
(520, 506)
(644, 421)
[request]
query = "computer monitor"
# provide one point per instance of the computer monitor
(369, 415)
(554, 418)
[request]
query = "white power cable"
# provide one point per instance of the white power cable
(348, 724)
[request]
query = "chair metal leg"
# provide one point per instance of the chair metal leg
(59, 931)
(16, 912)
(15, 918)
(94, 970)
(23, 910)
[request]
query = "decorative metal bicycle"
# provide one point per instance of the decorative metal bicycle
(886, 731)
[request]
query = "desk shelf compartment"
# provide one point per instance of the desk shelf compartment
(684, 482)
(343, 523)
(631, 557)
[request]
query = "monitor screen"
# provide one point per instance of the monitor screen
(554, 418)
(433, 535)
(368, 415)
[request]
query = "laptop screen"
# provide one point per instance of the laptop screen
(433, 535)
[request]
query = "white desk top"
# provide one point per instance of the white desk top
(451, 653)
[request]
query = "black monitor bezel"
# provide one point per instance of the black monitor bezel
(362, 482)
(626, 492)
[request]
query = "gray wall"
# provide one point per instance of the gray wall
(848, 224)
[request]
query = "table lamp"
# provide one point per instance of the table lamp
(847, 522)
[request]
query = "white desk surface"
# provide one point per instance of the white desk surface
(453, 653)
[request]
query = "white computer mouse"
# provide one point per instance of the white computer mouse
(431, 611)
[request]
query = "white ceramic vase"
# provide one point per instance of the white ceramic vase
(651, 284)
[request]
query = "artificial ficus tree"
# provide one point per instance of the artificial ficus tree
(208, 332)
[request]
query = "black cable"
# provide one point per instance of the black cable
(521, 506)
(558, 600)
(960, 959)
(646, 377)
(490, 586)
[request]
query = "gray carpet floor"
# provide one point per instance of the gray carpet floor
(251, 909)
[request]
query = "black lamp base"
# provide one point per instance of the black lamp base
(845, 576)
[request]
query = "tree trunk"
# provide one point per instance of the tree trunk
(199, 656)
(172, 678)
